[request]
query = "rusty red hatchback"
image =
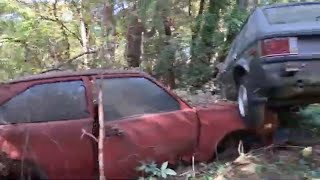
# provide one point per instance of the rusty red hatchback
(47, 119)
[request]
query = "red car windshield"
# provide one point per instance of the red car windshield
(293, 14)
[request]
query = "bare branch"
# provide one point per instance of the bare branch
(63, 25)
(24, 3)
(10, 39)
(81, 54)
(71, 60)
(19, 41)
(84, 132)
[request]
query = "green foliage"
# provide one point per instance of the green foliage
(310, 118)
(153, 171)
(43, 36)
(312, 115)
(29, 41)
(198, 74)
(42, 40)
(234, 20)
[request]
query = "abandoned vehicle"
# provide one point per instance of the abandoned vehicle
(274, 61)
(47, 120)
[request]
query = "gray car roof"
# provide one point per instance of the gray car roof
(257, 27)
(287, 4)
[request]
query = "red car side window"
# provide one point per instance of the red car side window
(134, 96)
(46, 102)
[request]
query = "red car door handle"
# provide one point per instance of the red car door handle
(113, 131)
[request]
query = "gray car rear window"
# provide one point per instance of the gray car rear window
(293, 14)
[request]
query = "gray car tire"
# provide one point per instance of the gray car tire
(251, 111)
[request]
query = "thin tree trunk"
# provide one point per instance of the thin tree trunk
(242, 4)
(247, 4)
(189, 8)
(134, 40)
(210, 26)
(109, 32)
(101, 136)
(203, 46)
(84, 36)
(196, 30)
(142, 47)
(66, 50)
(252, 4)
(202, 39)
(171, 70)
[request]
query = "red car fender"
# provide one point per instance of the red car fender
(216, 121)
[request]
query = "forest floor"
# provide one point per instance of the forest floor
(269, 163)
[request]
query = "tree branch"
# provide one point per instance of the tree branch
(63, 25)
(81, 54)
(58, 67)
(189, 8)
(76, 57)
(9, 39)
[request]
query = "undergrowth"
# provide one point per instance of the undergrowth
(311, 118)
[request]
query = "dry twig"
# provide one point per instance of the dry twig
(84, 132)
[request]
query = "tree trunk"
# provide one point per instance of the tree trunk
(252, 4)
(210, 26)
(247, 4)
(109, 32)
(84, 36)
(66, 48)
(134, 39)
(196, 30)
(242, 4)
(202, 38)
(170, 75)
(203, 46)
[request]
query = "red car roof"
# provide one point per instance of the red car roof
(70, 73)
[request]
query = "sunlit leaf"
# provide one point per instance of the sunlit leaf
(164, 165)
(170, 172)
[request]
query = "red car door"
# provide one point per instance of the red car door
(155, 126)
(45, 121)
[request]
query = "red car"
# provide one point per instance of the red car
(46, 120)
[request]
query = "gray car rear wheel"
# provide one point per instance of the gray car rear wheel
(252, 112)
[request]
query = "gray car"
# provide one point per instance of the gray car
(274, 61)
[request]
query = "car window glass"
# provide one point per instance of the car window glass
(293, 14)
(46, 102)
(128, 97)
